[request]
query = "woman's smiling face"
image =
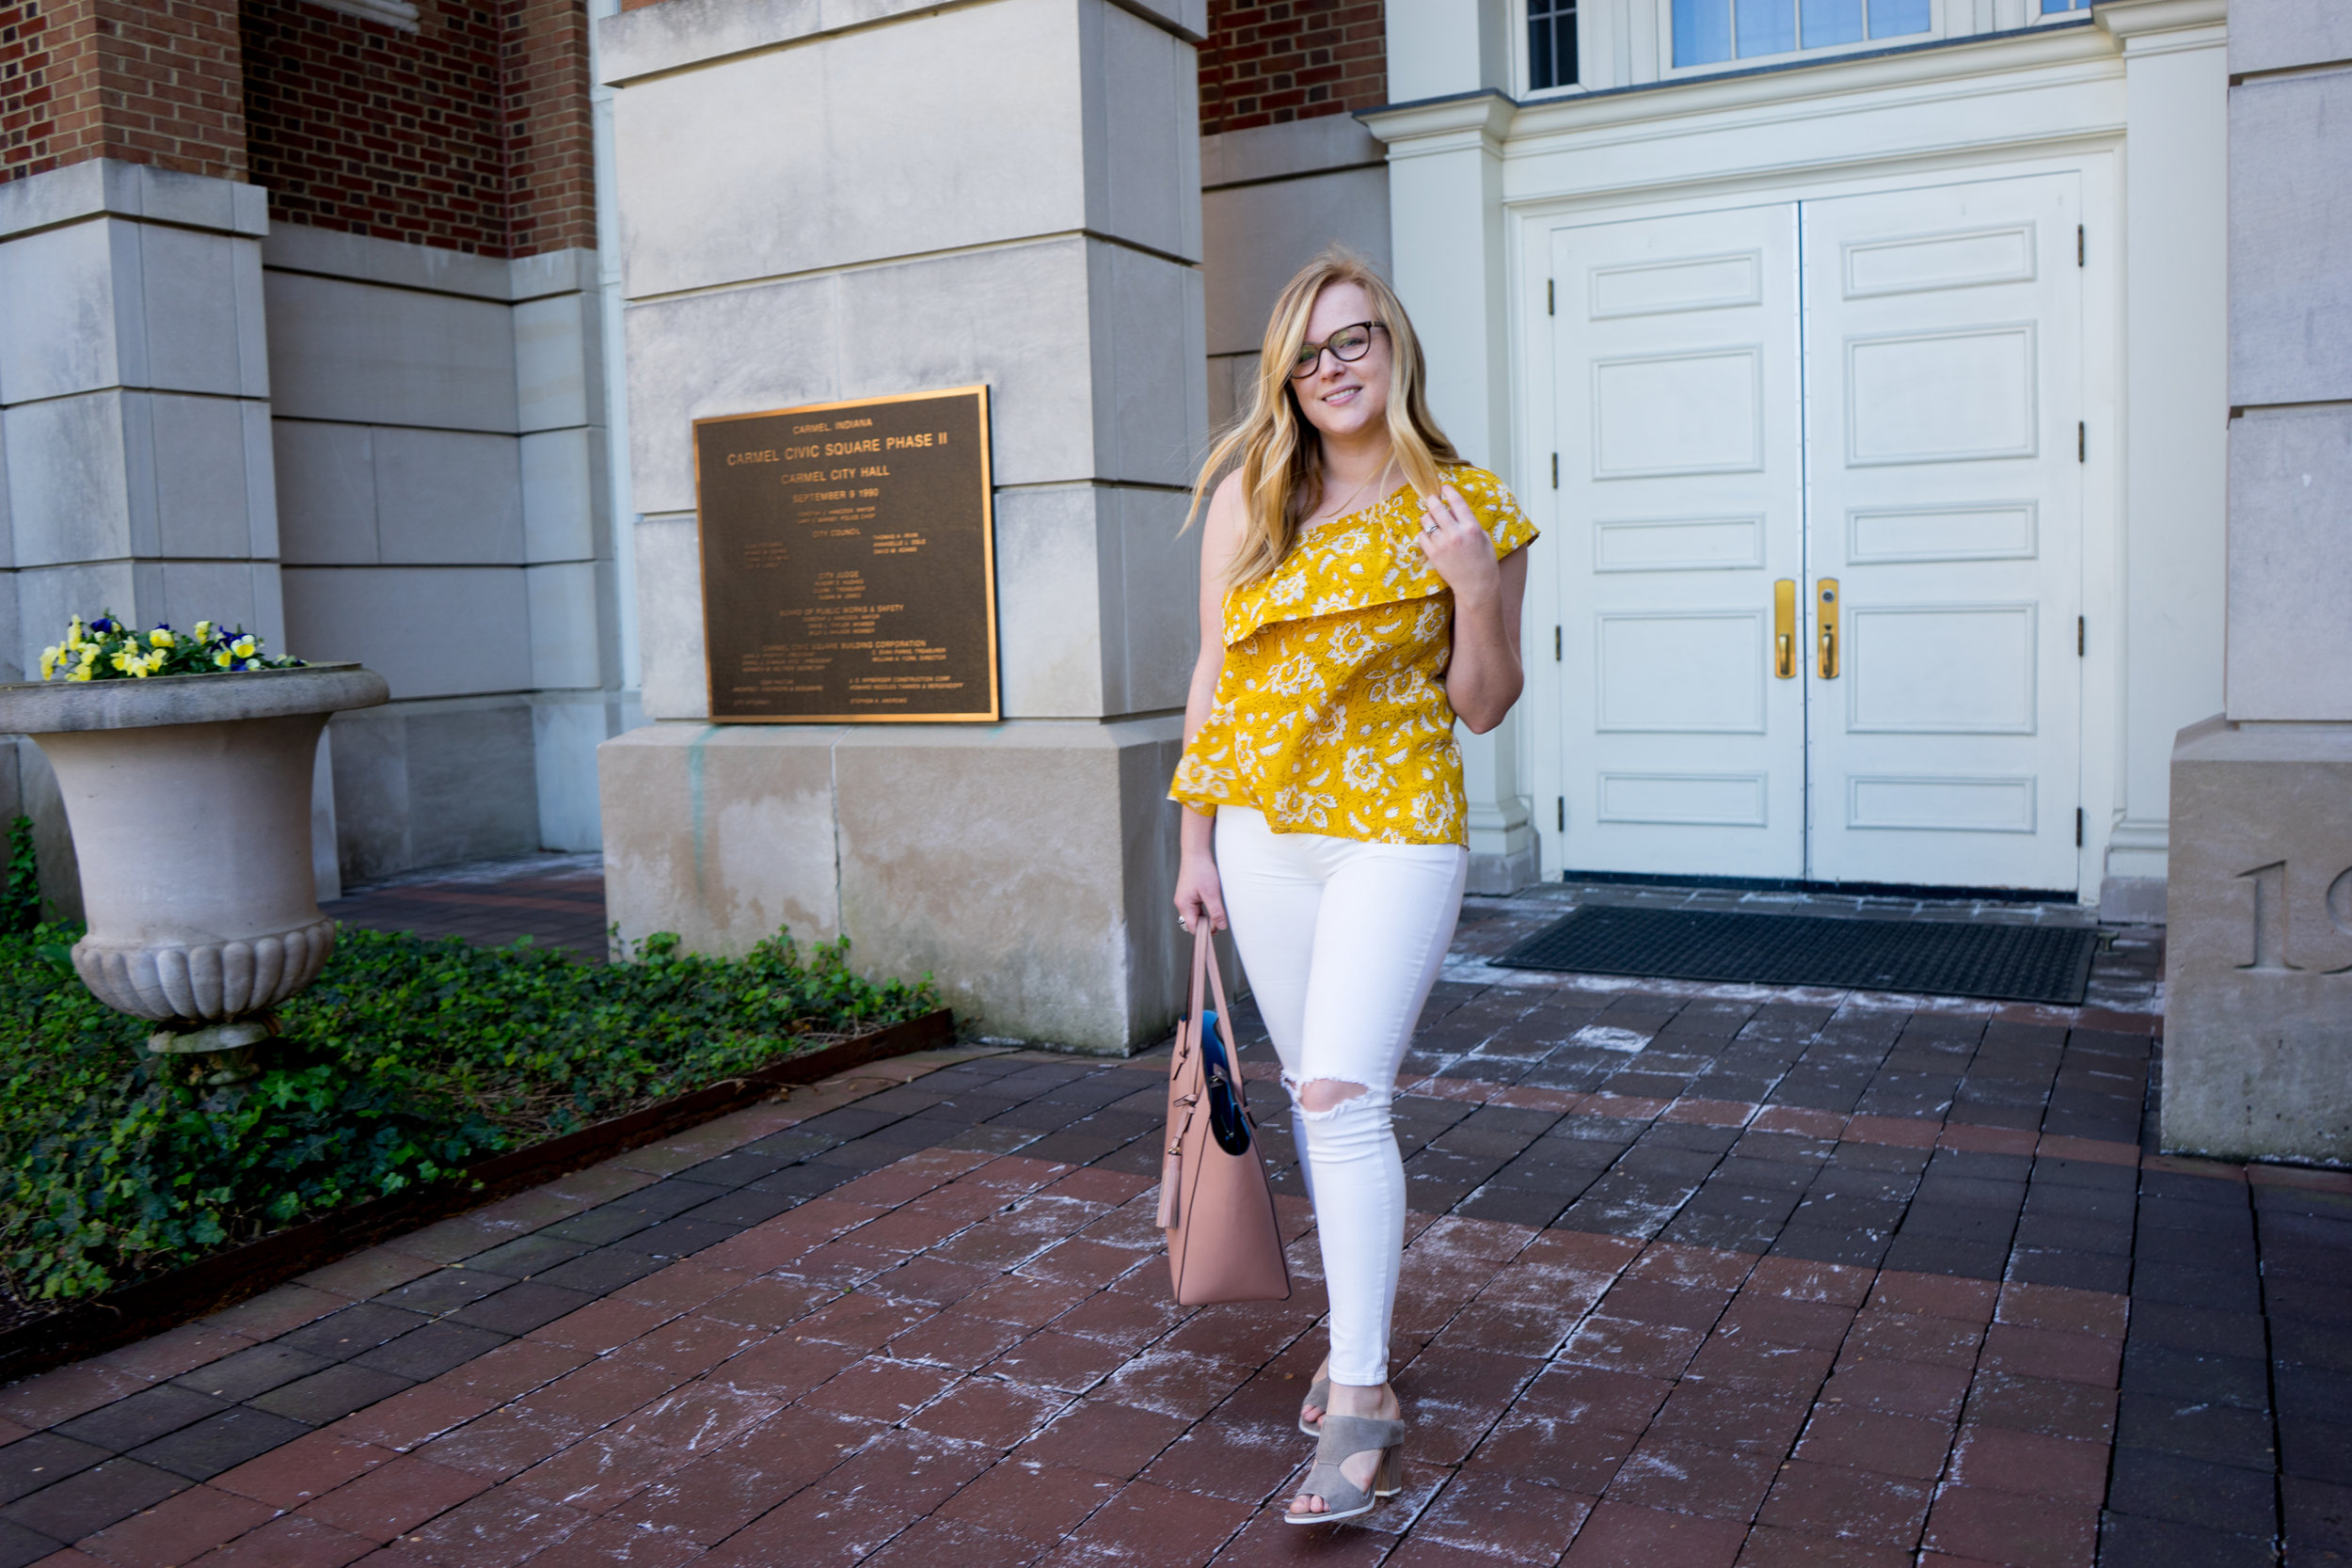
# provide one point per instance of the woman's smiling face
(1343, 398)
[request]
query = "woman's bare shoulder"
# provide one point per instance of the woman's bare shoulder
(1226, 510)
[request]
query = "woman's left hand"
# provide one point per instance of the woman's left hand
(1458, 549)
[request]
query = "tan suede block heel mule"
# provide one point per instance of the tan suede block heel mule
(1318, 1394)
(1342, 1437)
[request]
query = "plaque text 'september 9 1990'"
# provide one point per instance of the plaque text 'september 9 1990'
(849, 561)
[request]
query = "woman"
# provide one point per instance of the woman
(1360, 592)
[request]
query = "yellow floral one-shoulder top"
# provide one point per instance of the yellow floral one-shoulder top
(1332, 715)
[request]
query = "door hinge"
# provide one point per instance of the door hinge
(1555, 644)
(2079, 827)
(2081, 246)
(1555, 470)
(2082, 441)
(2082, 637)
(1550, 300)
(1563, 814)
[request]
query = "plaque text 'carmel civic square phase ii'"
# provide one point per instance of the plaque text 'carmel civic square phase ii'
(849, 561)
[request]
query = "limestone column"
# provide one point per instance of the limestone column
(2258, 1034)
(814, 210)
(1447, 69)
(2175, 279)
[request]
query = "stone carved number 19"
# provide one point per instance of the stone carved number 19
(2270, 916)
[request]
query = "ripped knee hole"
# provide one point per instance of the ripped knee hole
(1324, 1097)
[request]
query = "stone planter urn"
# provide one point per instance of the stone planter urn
(189, 800)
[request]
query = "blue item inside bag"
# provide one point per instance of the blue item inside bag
(1228, 1124)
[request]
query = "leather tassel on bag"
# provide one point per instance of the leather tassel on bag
(1224, 1242)
(1171, 1181)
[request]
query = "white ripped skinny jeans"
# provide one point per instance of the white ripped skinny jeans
(1342, 940)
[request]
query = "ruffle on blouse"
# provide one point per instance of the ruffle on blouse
(1370, 558)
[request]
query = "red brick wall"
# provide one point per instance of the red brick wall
(473, 133)
(1271, 61)
(146, 81)
(550, 136)
(373, 130)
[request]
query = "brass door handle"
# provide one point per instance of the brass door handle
(1826, 618)
(1785, 629)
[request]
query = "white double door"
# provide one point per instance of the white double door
(1819, 540)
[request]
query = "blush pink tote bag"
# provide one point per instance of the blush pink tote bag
(1223, 1241)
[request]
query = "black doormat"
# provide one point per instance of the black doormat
(2004, 963)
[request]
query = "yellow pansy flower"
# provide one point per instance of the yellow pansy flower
(203, 630)
(222, 658)
(244, 647)
(161, 638)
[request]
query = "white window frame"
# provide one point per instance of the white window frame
(1939, 28)
(1522, 65)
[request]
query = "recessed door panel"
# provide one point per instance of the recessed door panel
(1955, 261)
(1667, 414)
(1940, 397)
(1940, 669)
(1663, 669)
(1675, 355)
(1690, 284)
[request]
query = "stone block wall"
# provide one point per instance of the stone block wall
(440, 436)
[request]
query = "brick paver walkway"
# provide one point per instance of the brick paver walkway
(556, 900)
(1697, 1275)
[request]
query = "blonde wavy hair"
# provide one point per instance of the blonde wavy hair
(1276, 451)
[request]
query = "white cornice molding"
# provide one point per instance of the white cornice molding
(2132, 20)
(1443, 124)
(397, 14)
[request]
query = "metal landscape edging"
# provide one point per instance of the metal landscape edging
(151, 1305)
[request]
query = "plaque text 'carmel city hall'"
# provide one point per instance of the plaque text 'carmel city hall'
(847, 557)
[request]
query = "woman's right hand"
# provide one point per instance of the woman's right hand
(1199, 894)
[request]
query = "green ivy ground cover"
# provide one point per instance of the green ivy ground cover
(407, 1059)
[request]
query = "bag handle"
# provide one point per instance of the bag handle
(1204, 967)
(1206, 978)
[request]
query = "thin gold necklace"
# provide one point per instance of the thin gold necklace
(1340, 511)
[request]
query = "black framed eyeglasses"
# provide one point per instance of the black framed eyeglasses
(1347, 345)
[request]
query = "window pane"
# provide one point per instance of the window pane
(1702, 31)
(1551, 43)
(1892, 19)
(2051, 7)
(1765, 27)
(1828, 21)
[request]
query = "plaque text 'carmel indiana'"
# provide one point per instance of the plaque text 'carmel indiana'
(849, 561)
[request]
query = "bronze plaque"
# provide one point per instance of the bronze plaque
(849, 561)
